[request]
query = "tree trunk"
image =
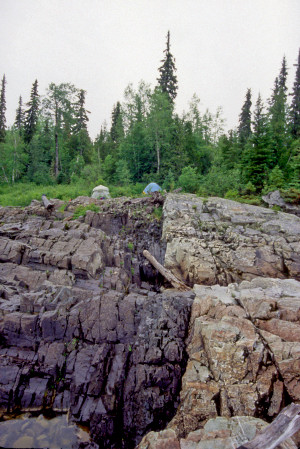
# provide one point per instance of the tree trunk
(46, 202)
(285, 425)
(157, 153)
(5, 175)
(166, 273)
(56, 155)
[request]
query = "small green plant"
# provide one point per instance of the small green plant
(81, 211)
(276, 208)
(157, 213)
(62, 208)
(132, 271)
(194, 207)
(130, 246)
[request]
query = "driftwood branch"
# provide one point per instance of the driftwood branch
(285, 425)
(47, 204)
(166, 273)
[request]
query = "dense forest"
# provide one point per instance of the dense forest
(49, 144)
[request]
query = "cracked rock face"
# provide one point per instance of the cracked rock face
(219, 241)
(217, 433)
(81, 328)
(236, 367)
(84, 326)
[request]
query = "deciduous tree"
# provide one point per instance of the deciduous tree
(2, 110)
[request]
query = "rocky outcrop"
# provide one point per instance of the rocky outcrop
(275, 200)
(218, 241)
(241, 360)
(88, 325)
(217, 433)
(83, 326)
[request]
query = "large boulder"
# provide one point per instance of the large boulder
(100, 192)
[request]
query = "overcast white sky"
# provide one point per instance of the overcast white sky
(221, 48)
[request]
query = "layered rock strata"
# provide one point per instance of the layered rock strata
(218, 241)
(82, 326)
(85, 327)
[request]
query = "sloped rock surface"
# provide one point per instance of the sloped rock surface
(235, 366)
(82, 324)
(219, 241)
(217, 433)
(85, 327)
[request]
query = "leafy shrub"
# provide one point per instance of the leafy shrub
(80, 211)
(189, 179)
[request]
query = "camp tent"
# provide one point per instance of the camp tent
(100, 192)
(152, 187)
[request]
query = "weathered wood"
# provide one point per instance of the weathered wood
(166, 273)
(47, 204)
(285, 425)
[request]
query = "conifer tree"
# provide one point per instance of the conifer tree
(244, 129)
(278, 112)
(167, 79)
(295, 106)
(2, 111)
(257, 157)
(19, 120)
(81, 117)
(117, 129)
(31, 115)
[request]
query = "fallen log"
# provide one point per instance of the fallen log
(166, 273)
(47, 204)
(285, 425)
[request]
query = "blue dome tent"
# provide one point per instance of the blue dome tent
(152, 187)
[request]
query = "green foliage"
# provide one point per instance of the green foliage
(167, 79)
(249, 189)
(218, 182)
(291, 195)
(157, 213)
(122, 174)
(275, 179)
(130, 246)
(189, 179)
(148, 141)
(21, 194)
(169, 181)
(2, 110)
(81, 211)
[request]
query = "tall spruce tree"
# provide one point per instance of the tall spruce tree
(80, 140)
(295, 106)
(32, 113)
(81, 114)
(19, 120)
(278, 113)
(244, 128)
(167, 79)
(257, 157)
(117, 129)
(2, 110)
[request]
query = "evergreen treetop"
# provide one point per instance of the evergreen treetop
(295, 106)
(167, 79)
(244, 129)
(31, 114)
(19, 120)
